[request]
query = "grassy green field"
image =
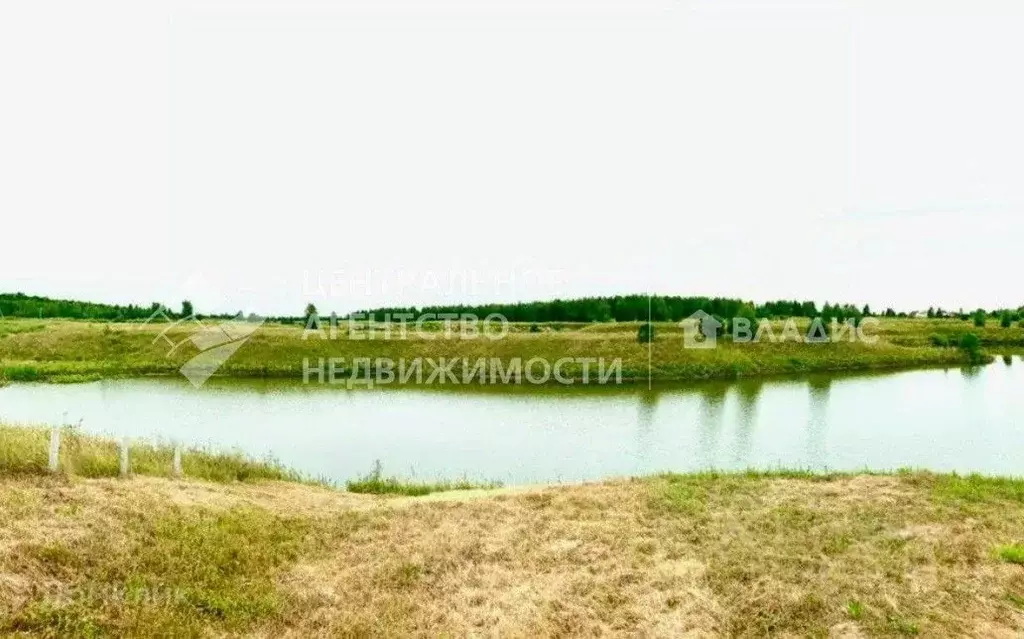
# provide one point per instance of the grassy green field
(70, 351)
(747, 554)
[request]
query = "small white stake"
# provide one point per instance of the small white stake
(54, 449)
(124, 456)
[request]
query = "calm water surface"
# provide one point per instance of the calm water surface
(955, 419)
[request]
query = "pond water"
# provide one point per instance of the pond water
(955, 419)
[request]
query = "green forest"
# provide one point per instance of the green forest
(21, 305)
(632, 308)
(621, 308)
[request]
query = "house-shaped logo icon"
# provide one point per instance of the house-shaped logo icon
(700, 330)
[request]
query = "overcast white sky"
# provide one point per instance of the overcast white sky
(240, 152)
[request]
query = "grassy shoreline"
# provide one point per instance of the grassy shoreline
(24, 451)
(74, 351)
(791, 370)
(712, 554)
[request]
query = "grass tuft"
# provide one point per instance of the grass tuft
(375, 483)
(855, 609)
(1012, 553)
(979, 488)
(903, 626)
(21, 373)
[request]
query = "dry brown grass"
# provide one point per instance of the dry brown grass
(715, 555)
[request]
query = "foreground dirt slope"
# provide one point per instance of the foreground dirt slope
(664, 556)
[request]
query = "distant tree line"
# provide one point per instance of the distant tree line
(632, 308)
(21, 305)
(628, 308)
(621, 308)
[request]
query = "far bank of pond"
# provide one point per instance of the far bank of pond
(68, 351)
